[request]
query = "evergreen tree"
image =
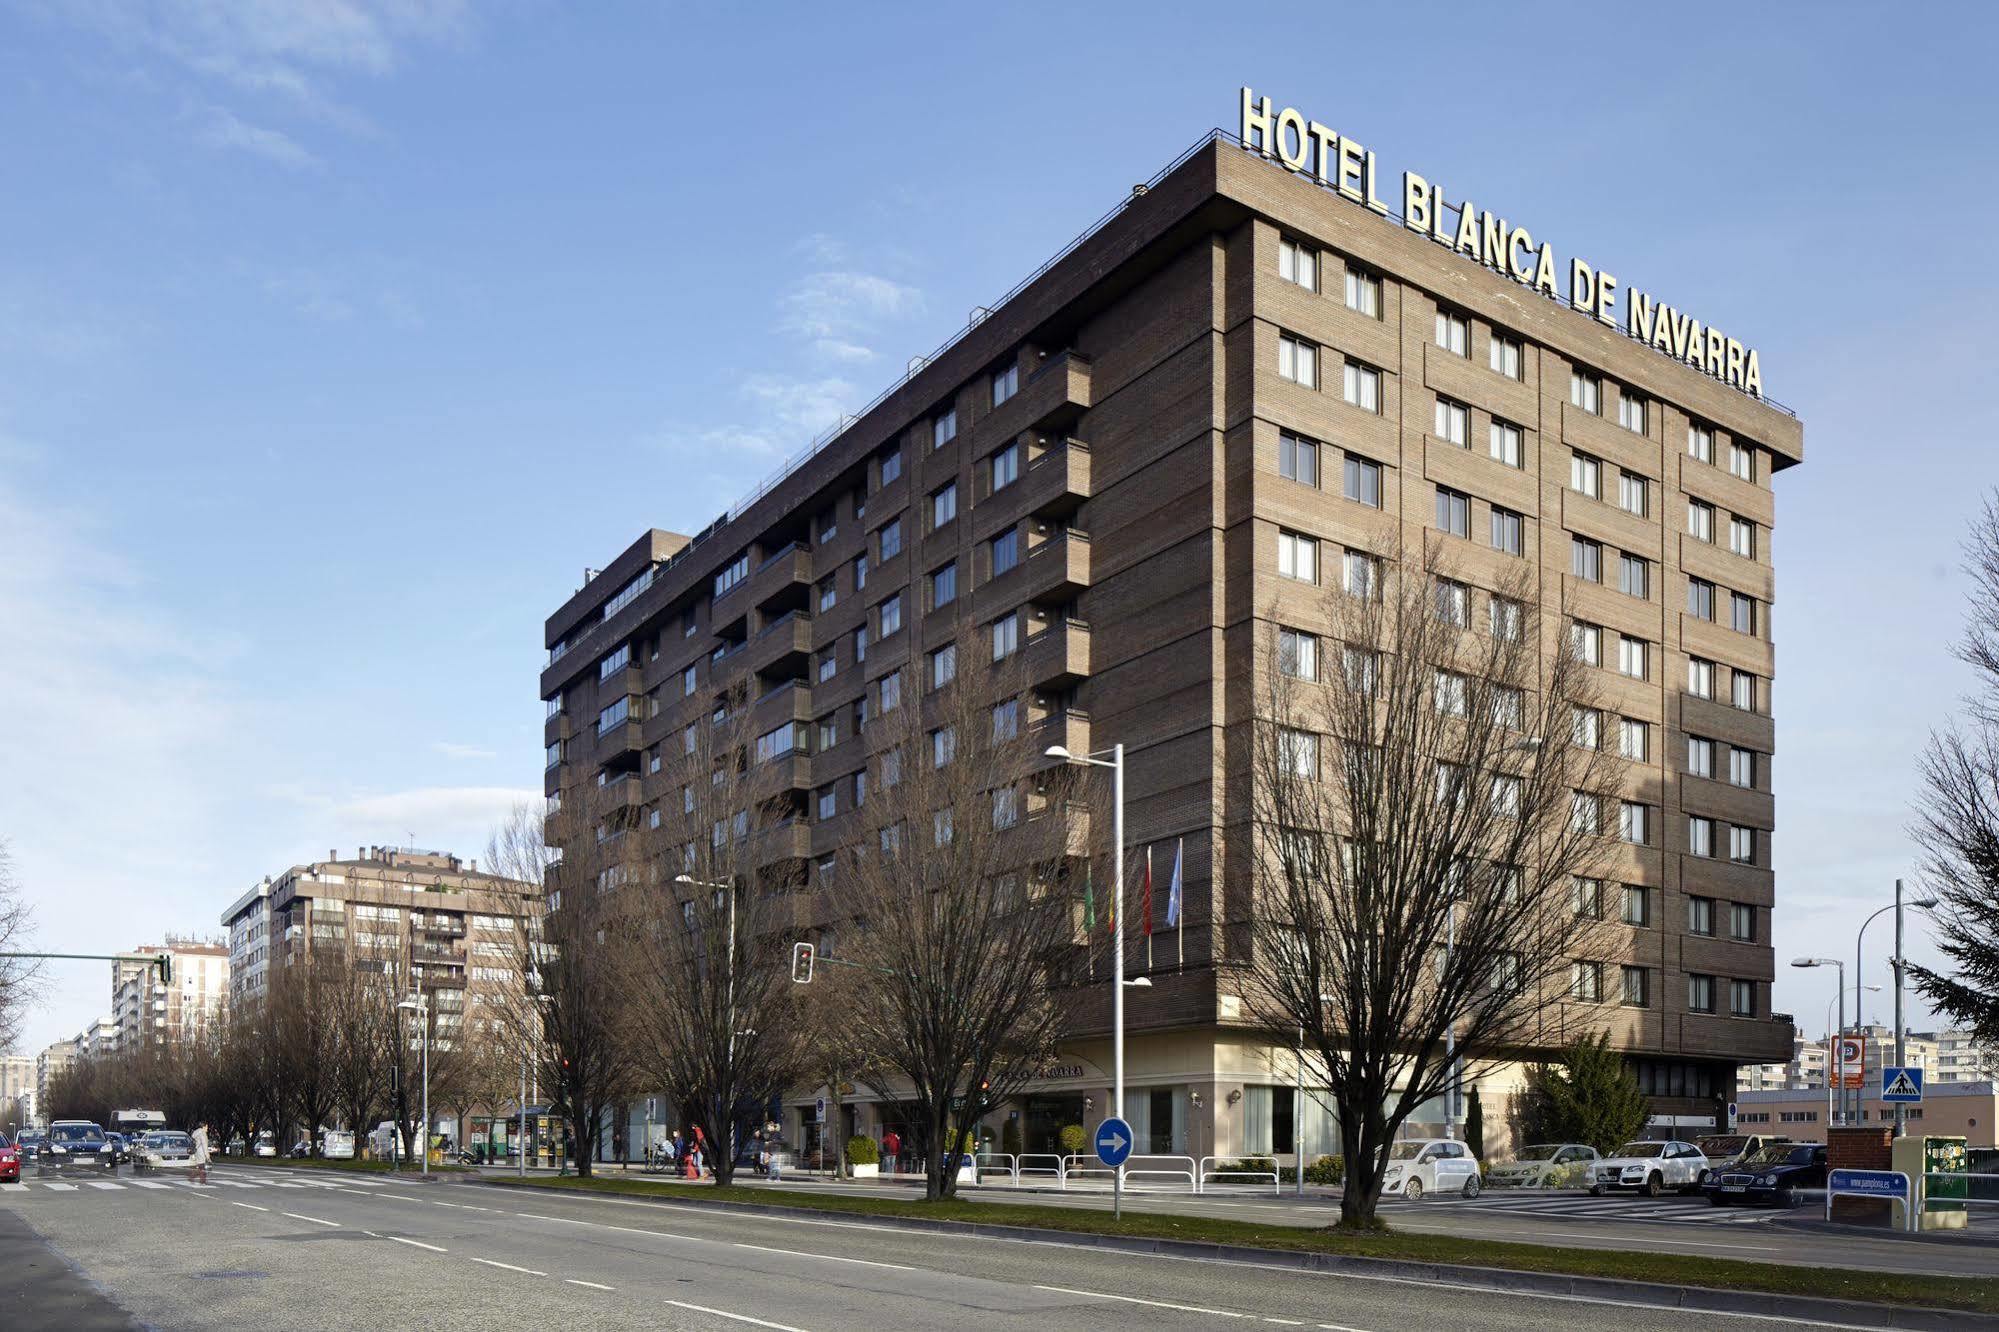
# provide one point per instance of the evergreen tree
(1590, 1097)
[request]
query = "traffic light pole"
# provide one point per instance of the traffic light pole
(164, 962)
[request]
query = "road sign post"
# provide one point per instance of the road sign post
(1113, 1148)
(1902, 1086)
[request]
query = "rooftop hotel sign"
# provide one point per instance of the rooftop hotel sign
(1338, 163)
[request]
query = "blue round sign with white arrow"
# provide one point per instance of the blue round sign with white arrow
(1113, 1141)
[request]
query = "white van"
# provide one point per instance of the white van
(337, 1145)
(1430, 1165)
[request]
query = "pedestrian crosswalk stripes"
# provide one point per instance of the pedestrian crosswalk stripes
(1574, 1207)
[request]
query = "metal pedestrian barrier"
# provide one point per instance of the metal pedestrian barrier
(1248, 1178)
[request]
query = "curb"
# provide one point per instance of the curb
(1648, 1294)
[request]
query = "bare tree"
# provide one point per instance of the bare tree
(1957, 817)
(363, 1028)
(19, 977)
(713, 897)
(955, 897)
(303, 1027)
(1423, 829)
(565, 1000)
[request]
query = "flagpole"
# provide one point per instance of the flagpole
(1148, 907)
(1180, 897)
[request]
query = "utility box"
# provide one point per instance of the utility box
(1935, 1166)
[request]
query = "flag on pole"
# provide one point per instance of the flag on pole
(1089, 898)
(1175, 916)
(1145, 894)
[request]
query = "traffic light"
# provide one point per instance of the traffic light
(801, 964)
(165, 962)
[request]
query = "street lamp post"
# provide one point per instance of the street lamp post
(730, 980)
(416, 1004)
(1896, 963)
(1832, 1061)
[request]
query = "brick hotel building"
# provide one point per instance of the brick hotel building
(1147, 450)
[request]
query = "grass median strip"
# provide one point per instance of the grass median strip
(1980, 1294)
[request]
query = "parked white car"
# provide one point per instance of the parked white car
(1536, 1166)
(337, 1145)
(1430, 1165)
(1651, 1168)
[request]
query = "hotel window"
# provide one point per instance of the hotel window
(1700, 677)
(1506, 619)
(1700, 443)
(1006, 383)
(1586, 728)
(1700, 757)
(1298, 557)
(1742, 690)
(1586, 897)
(1631, 656)
(1454, 333)
(1742, 767)
(1506, 356)
(688, 739)
(1742, 998)
(829, 665)
(1634, 822)
(1742, 922)
(1509, 705)
(1586, 558)
(1588, 641)
(1700, 520)
(1508, 531)
(1586, 392)
(1453, 422)
(1363, 387)
(1741, 613)
(1700, 840)
(1363, 481)
(1631, 412)
(1637, 987)
(1450, 692)
(829, 592)
(943, 428)
(1360, 574)
(943, 505)
(891, 539)
(943, 746)
(1585, 475)
(860, 572)
(1005, 551)
(1586, 982)
(1298, 263)
(1297, 752)
(737, 570)
(944, 586)
(1298, 654)
(891, 615)
(1006, 467)
(890, 690)
(1006, 719)
(1505, 443)
(891, 465)
(1454, 603)
(1700, 915)
(1297, 361)
(1585, 813)
(829, 803)
(1700, 598)
(687, 682)
(1742, 844)
(1453, 512)
(1634, 739)
(1006, 636)
(1637, 904)
(1742, 537)
(1634, 576)
(943, 665)
(1631, 493)
(829, 731)
(1298, 459)
(1741, 461)
(1363, 292)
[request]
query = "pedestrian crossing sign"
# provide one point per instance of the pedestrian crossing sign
(1901, 1086)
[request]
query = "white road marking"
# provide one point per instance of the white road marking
(740, 1318)
(147, 1184)
(104, 1184)
(524, 1271)
(826, 1257)
(252, 1206)
(591, 1284)
(315, 1220)
(14, 1188)
(416, 1244)
(399, 1197)
(1153, 1304)
(59, 1188)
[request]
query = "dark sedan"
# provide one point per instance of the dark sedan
(76, 1145)
(1772, 1176)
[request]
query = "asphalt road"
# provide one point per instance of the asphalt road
(269, 1250)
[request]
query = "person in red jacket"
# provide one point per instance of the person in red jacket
(891, 1149)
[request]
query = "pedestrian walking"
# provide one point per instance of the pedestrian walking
(891, 1149)
(198, 1158)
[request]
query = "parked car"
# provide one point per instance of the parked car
(28, 1142)
(1725, 1151)
(1536, 1165)
(76, 1144)
(1430, 1165)
(337, 1145)
(1651, 1167)
(10, 1160)
(1773, 1175)
(163, 1149)
(266, 1145)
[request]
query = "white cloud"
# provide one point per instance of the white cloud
(805, 406)
(840, 304)
(224, 129)
(438, 816)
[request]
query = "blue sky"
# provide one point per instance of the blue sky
(337, 337)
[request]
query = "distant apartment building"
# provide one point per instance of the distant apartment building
(49, 1065)
(151, 1011)
(17, 1079)
(1961, 1057)
(98, 1039)
(432, 921)
(1960, 1109)
(1947, 1058)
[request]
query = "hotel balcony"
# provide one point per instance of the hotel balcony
(783, 648)
(1058, 568)
(790, 701)
(1057, 480)
(1053, 398)
(783, 582)
(1058, 653)
(787, 841)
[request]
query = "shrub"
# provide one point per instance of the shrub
(1592, 1096)
(1072, 1138)
(1258, 1164)
(1327, 1170)
(1010, 1137)
(863, 1150)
